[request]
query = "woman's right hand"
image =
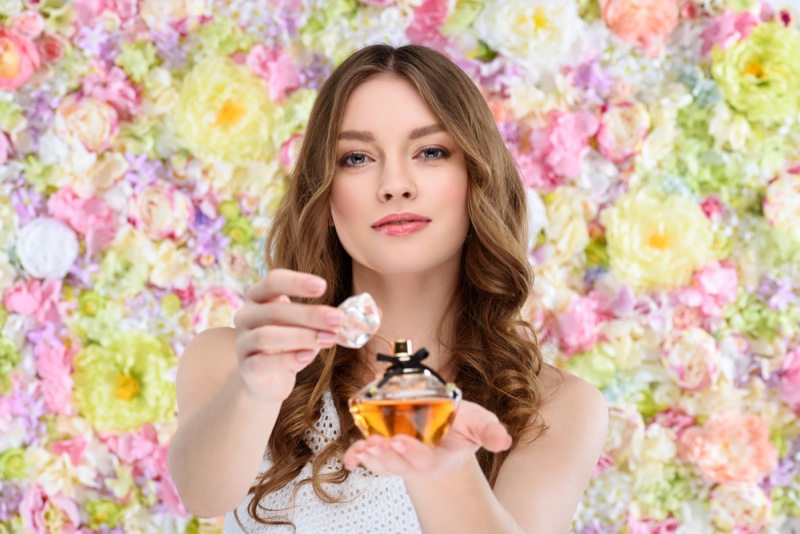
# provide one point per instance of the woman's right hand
(275, 337)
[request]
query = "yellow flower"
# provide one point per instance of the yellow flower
(223, 113)
(656, 241)
(126, 383)
(759, 75)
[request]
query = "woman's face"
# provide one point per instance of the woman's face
(395, 160)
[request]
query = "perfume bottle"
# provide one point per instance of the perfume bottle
(410, 398)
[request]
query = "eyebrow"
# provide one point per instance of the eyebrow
(367, 137)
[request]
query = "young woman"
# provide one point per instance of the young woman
(403, 188)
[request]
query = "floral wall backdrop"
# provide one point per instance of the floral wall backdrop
(143, 145)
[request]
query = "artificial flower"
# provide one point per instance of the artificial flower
(655, 240)
(759, 75)
(124, 383)
(224, 113)
(47, 248)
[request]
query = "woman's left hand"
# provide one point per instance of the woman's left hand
(405, 456)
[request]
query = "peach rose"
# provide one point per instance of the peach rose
(91, 122)
(19, 58)
(51, 47)
(623, 127)
(161, 210)
(729, 448)
(28, 24)
(215, 308)
(740, 508)
(647, 22)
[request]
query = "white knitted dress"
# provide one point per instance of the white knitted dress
(374, 504)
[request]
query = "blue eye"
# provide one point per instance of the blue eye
(433, 153)
(353, 159)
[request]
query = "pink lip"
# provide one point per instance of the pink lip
(401, 224)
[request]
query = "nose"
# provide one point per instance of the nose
(396, 182)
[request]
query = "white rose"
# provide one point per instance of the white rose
(173, 266)
(727, 127)
(566, 227)
(158, 13)
(47, 248)
(88, 121)
(539, 33)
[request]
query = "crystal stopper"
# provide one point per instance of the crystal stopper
(361, 321)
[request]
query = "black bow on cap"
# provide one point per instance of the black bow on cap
(404, 364)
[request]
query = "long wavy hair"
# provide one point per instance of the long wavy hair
(495, 357)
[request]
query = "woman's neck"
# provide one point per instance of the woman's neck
(413, 308)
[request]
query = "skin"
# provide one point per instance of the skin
(232, 381)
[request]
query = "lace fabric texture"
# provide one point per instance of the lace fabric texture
(372, 503)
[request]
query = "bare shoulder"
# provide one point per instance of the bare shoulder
(542, 480)
(568, 397)
(206, 362)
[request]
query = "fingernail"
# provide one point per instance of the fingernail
(305, 356)
(399, 446)
(334, 318)
(360, 456)
(325, 337)
(376, 451)
(316, 285)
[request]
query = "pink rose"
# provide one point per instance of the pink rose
(718, 284)
(276, 68)
(647, 22)
(35, 298)
(559, 148)
(787, 17)
(651, 526)
(115, 88)
(675, 420)
(727, 29)
(133, 447)
(51, 47)
(54, 365)
(19, 59)
(691, 358)
(28, 24)
(790, 379)
(428, 19)
(713, 208)
(73, 447)
(215, 308)
(90, 216)
(161, 210)
(622, 130)
(578, 326)
(90, 10)
(730, 447)
(39, 512)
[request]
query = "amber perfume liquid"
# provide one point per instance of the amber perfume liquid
(425, 419)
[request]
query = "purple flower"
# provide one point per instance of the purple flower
(93, 41)
(28, 203)
(167, 41)
(312, 75)
(82, 270)
(782, 297)
(593, 79)
(47, 332)
(141, 171)
(10, 498)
